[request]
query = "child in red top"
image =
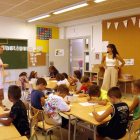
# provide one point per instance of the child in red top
(85, 86)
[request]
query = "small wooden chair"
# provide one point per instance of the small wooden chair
(130, 135)
(32, 124)
(72, 88)
(42, 124)
(6, 73)
(28, 89)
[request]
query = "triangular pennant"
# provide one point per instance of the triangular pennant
(133, 20)
(116, 25)
(108, 24)
(125, 23)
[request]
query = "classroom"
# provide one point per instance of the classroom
(72, 66)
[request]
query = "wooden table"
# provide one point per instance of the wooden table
(19, 138)
(7, 132)
(51, 84)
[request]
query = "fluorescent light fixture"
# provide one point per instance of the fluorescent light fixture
(97, 1)
(37, 18)
(71, 8)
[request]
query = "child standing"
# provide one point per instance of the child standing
(116, 128)
(37, 96)
(18, 113)
(85, 86)
(101, 95)
(23, 79)
(135, 107)
(76, 79)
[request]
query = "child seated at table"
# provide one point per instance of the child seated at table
(76, 79)
(135, 107)
(85, 86)
(119, 111)
(53, 72)
(61, 80)
(23, 79)
(37, 96)
(18, 113)
(101, 95)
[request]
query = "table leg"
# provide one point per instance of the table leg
(69, 127)
(94, 132)
(91, 126)
(75, 129)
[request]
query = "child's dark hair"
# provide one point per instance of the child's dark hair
(23, 74)
(112, 46)
(63, 88)
(59, 77)
(114, 91)
(41, 81)
(84, 79)
(53, 68)
(65, 75)
(93, 90)
(14, 92)
(78, 74)
(32, 75)
(136, 83)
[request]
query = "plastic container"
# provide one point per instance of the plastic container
(72, 99)
(127, 76)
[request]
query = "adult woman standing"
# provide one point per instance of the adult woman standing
(2, 78)
(111, 74)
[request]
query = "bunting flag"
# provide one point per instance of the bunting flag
(108, 24)
(125, 23)
(116, 25)
(133, 20)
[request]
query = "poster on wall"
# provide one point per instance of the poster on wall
(59, 52)
(128, 62)
(97, 56)
(104, 46)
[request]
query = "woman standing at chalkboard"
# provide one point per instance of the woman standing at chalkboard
(2, 79)
(111, 70)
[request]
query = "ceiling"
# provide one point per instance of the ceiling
(25, 9)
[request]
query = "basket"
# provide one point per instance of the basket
(72, 99)
(127, 76)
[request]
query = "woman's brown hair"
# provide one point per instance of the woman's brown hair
(53, 68)
(78, 74)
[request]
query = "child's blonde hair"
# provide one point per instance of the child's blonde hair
(136, 83)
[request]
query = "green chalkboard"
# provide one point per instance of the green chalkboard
(15, 53)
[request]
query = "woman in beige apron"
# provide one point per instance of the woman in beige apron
(111, 74)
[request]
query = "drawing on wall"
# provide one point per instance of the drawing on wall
(44, 33)
(59, 52)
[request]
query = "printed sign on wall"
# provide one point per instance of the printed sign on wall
(59, 52)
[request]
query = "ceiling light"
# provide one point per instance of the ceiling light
(71, 8)
(37, 18)
(97, 1)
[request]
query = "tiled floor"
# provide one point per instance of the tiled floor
(56, 133)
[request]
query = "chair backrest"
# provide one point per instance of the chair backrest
(72, 88)
(134, 125)
(27, 107)
(18, 83)
(29, 86)
(6, 73)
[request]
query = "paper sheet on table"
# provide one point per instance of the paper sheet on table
(70, 105)
(88, 104)
(3, 119)
(54, 81)
(100, 113)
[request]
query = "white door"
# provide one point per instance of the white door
(59, 54)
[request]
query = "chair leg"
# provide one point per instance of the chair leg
(46, 135)
(61, 132)
(50, 135)
(36, 137)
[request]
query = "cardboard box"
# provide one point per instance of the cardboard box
(96, 67)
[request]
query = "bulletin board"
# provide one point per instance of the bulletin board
(15, 53)
(126, 40)
(43, 34)
(36, 59)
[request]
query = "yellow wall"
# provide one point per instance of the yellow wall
(45, 43)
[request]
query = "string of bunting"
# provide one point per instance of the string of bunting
(124, 22)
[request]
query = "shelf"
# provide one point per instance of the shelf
(94, 81)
